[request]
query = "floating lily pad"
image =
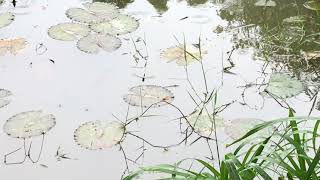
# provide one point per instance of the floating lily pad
(239, 127)
(29, 124)
(94, 42)
(265, 3)
(203, 123)
(148, 95)
(68, 31)
(312, 5)
(283, 86)
(14, 46)
(4, 94)
(177, 53)
(93, 13)
(122, 24)
(99, 135)
(6, 19)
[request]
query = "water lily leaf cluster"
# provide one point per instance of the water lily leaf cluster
(95, 27)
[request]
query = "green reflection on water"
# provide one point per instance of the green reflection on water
(119, 3)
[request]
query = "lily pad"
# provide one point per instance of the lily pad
(148, 96)
(312, 5)
(283, 86)
(266, 3)
(94, 42)
(4, 94)
(13, 46)
(6, 19)
(93, 13)
(203, 123)
(122, 24)
(182, 58)
(99, 135)
(239, 127)
(29, 124)
(68, 31)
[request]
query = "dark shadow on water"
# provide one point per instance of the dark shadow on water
(119, 3)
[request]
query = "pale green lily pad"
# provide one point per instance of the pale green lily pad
(94, 42)
(6, 19)
(68, 31)
(203, 124)
(122, 24)
(266, 3)
(177, 53)
(237, 128)
(93, 13)
(99, 135)
(283, 86)
(29, 124)
(4, 94)
(312, 5)
(148, 96)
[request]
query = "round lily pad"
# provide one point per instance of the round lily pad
(283, 86)
(148, 95)
(68, 31)
(4, 94)
(99, 135)
(29, 124)
(122, 24)
(14, 46)
(6, 19)
(94, 42)
(93, 13)
(182, 58)
(203, 123)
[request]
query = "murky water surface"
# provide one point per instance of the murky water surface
(243, 44)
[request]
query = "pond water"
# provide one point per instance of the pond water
(242, 43)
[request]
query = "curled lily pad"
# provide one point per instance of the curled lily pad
(93, 13)
(6, 19)
(239, 127)
(29, 124)
(283, 86)
(312, 5)
(182, 56)
(4, 94)
(99, 135)
(203, 123)
(94, 42)
(148, 96)
(68, 31)
(14, 46)
(122, 24)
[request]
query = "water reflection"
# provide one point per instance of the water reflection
(159, 5)
(120, 3)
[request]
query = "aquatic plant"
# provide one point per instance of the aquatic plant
(13, 46)
(68, 31)
(6, 19)
(94, 42)
(4, 94)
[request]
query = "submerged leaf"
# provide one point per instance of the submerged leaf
(182, 58)
(93, 42)
(283, 86)
(148, 95)
(4, 94)
(93, 13)
(68, 31)
(12, 45)
(99, 135)
(239, 127)
(122, 24)
(29, 124)
(6, 19)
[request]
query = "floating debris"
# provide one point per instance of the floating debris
(283, 86)
(203, 123)
(4, 94)
(68, 31)
(99, 135)
(149, 96)
(312, 5)
(181, 56)
(93, 13)
(6, 19)
(239, 127)
(41, 49)
(94, 42)
(122, 24)
(29, 124)
(14, 46)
